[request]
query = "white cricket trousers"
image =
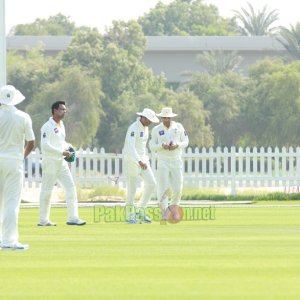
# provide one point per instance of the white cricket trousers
(169, 176)
(11, 184)
(133, 172)
(57, 171)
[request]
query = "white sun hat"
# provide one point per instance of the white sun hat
(149, 114)
(9, 95)
(166, 112)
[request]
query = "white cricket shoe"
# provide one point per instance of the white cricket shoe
(17, 246)
(76, 222)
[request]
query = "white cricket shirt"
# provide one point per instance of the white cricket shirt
(135, 142)
(15, 129)
(161, 134)
(53, 142)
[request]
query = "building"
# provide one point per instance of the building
(175, 56)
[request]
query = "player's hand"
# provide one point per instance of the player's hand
(67, 153)
(165, 146)
(143, 165)
(173, 147)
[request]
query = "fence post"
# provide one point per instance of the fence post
(298, 168)
(232, 169)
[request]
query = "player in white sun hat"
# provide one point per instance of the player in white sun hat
(15, 130)
(168, 139)
(136, 164)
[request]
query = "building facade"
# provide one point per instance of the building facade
(174, 56)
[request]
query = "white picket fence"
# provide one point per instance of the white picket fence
(219, 168)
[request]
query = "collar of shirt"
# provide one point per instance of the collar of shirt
(172, 125)
(52, 121)
(7, 107)
(140, 125)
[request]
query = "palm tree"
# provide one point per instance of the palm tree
(219, 61)
(290, 39)
(256, 23)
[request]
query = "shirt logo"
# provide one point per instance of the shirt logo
(55, 130)
(141, 134)
(161, 132)
(44, 134)
(132, 133)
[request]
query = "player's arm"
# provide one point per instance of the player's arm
(184, 139)
(29, 136)
(154, 143)
(46, 145)
(131, 142)
(28, 147)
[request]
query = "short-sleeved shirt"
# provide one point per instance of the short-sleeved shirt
(15, 129)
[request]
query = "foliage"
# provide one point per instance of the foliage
(215, 62)
(192, 115)
(127, 36)
(256, 23)
(54, 25)
(261, 110)
(85, 50)
(105, 83)
(256, 195)
(82, 95)
(274, 110)
(126, 82)
(290, 39)
(184, 18)
(223, 95)
(30, 71)
(106, 192)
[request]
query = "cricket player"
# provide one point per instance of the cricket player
(168, 139)
(15, 129)
(55, 168)
(136, 164)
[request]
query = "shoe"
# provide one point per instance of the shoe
(143, 218)
(76, 222)
(17, 246)
(133, 220)
(49, 223)
(163, 222)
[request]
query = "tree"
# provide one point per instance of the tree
(127, 36)
(273, 112)
(85, 50)
(256, 23)
(185, 18)
(82, 95)
(290, 39)
(28, 72)
(126, 82)
(219, 61)
(223, 96)
(192, 115)
(54, 25)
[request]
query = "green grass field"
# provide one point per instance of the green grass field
(245, 253)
